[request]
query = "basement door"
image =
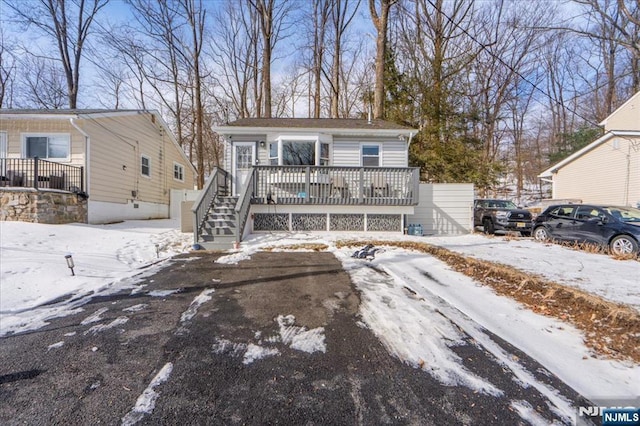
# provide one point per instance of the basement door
(244, 154)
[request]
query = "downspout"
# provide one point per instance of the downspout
(87, 147)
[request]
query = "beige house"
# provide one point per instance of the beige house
(126, 161)
(607, 171)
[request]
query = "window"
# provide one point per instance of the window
(370, 155)
(324, 154)
(178, 172)
(47, 146)
(145, 166)
(295, 153)
(273, 153)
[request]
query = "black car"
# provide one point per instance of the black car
(615, 227)
(501, 215)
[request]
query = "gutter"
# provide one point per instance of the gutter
(87, 148)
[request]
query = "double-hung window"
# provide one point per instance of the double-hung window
(50, 146)
(370, 155)
(273, 154)
(178, 172)
(145, 166)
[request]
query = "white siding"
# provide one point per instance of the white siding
(444, 209)
(608, 174)
(346, 152)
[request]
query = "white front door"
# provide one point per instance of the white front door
(244, 154)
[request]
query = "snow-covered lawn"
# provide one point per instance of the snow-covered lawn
(414, 303)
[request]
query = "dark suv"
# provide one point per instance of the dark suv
(501, 215)
(617, 228)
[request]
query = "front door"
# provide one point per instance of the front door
(244, 154)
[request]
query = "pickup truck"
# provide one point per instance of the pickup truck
(501, 215)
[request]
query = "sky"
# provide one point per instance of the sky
(399, 301)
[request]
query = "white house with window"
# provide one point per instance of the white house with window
(126, 161)
(309, 175)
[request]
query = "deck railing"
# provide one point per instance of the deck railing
(41, 174)
(392, 186)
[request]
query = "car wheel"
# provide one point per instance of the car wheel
(623, 244)
(487, 226)
(541, 233)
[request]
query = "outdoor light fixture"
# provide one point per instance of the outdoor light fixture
(70, 263)
(157, 251)
(262, 144)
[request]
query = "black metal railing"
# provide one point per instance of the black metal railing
(387, 186)
(41, 174)
(218, 182)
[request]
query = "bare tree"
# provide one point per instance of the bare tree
(342, 14)
(380, 22)
(68, 24)
(271, 16)
(8, 68)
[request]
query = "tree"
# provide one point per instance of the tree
(380, 22)
(67, 23)
(8, 67)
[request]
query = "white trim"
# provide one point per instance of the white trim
(553, 169)
(24, 136)
(238, 130)
(379, 145)
(621, 107)
(182, 171)
(3, 144)
(149, 166)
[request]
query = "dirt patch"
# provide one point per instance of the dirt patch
(610, 329)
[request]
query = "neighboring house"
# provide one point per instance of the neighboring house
(126, 162)
(307, 175)
(607, 171)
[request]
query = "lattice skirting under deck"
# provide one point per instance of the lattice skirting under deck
(327, 222)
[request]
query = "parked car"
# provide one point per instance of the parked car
(617, 228)
(501, 215)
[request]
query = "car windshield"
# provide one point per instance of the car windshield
(500, 204)
(624, 214)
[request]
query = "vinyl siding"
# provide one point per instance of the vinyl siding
(444, 209)
(346, 152)
(627, 117)
(117, 144)
(605, 175)
(15, 129)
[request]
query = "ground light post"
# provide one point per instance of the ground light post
(70, 263)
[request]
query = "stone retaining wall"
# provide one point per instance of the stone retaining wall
(42, 206)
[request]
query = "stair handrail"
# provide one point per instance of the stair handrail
(244, 203)
(202, 204)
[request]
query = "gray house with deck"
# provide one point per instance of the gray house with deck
(307, 175)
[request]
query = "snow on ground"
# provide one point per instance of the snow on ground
(416, 305)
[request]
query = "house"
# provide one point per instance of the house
(294, 174)
(122, 164)
(607, 171)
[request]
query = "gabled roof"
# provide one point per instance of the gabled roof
(90, 114)
(318, 125)
(553, 169)
(621, 107)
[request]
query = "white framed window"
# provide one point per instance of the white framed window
(273, 154)
(52, 146)
(145, 166)
(299, 151)
(370, 155)
(324, 154)
(178, 172)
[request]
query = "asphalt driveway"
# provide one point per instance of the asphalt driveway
(272, 340)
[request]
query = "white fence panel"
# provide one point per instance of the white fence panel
(444, 209)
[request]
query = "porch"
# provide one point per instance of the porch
(304, 198)
(41, 174)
